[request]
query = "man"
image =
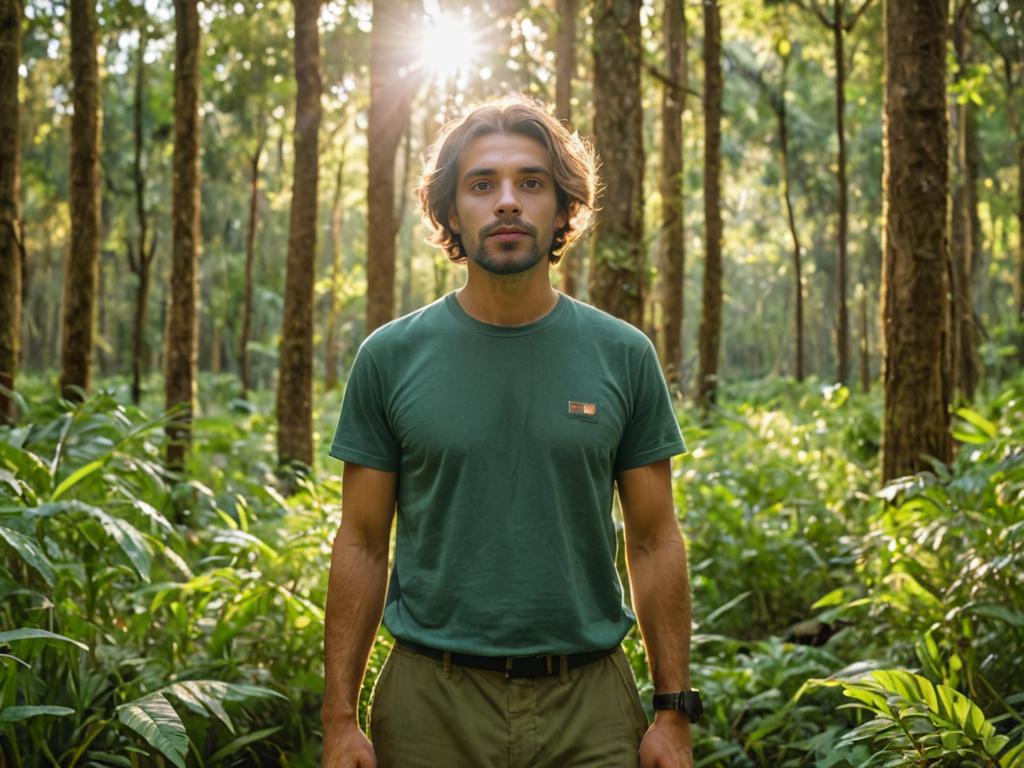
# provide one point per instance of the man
(499, 419)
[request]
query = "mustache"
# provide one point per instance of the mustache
(514, 221)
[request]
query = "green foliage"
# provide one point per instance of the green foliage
(144, 614)
(115, 614)
(922, 723)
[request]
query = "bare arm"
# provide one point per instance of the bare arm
(355, 603)
(656, 560)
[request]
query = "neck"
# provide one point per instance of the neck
(507, 299)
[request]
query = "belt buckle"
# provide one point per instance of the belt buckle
(510, 662)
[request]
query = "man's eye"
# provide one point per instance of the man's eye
(532, 184)
(481, 186)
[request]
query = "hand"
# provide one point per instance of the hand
(348, 747)
(667, 742)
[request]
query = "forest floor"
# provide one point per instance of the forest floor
(145, 613)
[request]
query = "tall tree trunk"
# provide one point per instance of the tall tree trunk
(839, 25)
(865, 351)
(1020, 236)
(711, 318)
(914, 275)
(966, 238)
(337, 222)
(81, 276)
(798, 287)
(10, 194)
(842, 315)
(1011, 82)
(250, 257)
(565, 71)
(391, 94)
(404, 229)
(295, 370)
(617, 263)
(144, 248)
(673, 251)
(182, 344)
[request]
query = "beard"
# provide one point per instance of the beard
(509, 258)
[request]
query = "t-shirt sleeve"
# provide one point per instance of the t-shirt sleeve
(653, 432)
(364, 434)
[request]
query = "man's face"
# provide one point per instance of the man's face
(506, 210)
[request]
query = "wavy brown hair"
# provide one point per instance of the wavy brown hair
(573, 164)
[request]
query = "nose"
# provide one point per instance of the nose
(507, 203)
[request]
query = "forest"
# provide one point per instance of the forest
(814, 209)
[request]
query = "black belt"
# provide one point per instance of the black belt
(512, 666)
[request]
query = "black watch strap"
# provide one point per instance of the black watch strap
(688, 702)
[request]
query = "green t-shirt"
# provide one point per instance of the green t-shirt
(506, 441)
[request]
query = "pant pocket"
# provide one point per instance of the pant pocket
(631, 701)
(379, 695)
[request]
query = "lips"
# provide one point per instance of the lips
(507, 232)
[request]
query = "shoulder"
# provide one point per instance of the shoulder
(409, 330)
(608, 329)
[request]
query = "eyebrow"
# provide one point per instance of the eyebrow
(535, 170)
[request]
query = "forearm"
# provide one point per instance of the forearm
(661, 600)
(355, 603)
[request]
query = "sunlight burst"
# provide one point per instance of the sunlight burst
(449, 45)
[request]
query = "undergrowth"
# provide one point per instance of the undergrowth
(838, 623)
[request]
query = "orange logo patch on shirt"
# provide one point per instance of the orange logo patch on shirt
(582, 409)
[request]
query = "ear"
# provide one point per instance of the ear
(453, 220)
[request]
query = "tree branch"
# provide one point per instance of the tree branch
(848, 26)
(669, 82)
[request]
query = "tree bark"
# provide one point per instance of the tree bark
(966, 235)
(673, 246)
(11, 273)
(617, 263)
(711, 318)
(140, 258)
(565, 71)
(337, 223)
(798, 287)
(295, 370)
(842, 316)
(183, 318)
(391, 94)
(81, 275)
(250, 257)
(914, 274)
(865, 351)
(839, 25)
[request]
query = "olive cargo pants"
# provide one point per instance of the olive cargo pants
(427, 714)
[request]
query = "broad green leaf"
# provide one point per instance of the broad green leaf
(951, 740)
(150, 512)
(27, 466)
(875, 701)
(16, 714)
(709, 620)
(30, 552)
(128, 537)
(208, 694)
(153, 718)
(1014, 758)
(971, 438)
(1012, 618)
(31, 633)
(835, 597)
(241, 741)
(77, 476)
(979, 421)
(244, 540)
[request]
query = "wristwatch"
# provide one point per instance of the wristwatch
(687, 702)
